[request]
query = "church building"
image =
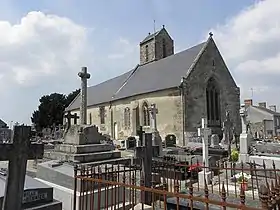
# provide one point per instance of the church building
(185, 87)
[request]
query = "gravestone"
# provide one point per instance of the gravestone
(205, 175)
(215, 141)
(245, 137)
(157, 141)
(17, 153)
(36, 195)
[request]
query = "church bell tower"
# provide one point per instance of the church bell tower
(156, 46)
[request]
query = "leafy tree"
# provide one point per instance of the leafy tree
(51, 109)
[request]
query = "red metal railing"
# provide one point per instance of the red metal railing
(174, 186)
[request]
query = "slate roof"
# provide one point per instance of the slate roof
(150, 36)
(2, 123)
(267, 110)
(159, 75)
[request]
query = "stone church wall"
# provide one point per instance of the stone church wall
(210, 64)
(169, 117)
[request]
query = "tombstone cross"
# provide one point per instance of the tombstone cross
(204, 132)
(70, 116)
(83, 107)
(17, 154)
(145, 154)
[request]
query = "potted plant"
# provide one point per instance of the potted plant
(243, 179)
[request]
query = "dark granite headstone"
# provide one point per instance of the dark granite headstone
(36, 194)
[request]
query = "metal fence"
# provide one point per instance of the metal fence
(175, 186)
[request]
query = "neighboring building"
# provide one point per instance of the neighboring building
(5, 131)
(119, 105)
(264, 122)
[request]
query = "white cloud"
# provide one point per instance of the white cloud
(40, 45)
(123, 49)
(40, 54)
(250, 43)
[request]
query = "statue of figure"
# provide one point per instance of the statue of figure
(243, 115)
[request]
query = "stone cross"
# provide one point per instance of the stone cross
(83, 107)
(17, 153)
(144, 153)
(204, 132)
(70, 116)
(157, 142)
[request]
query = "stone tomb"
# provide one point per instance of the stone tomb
(60, 176)
(36, 195)
(82, 143)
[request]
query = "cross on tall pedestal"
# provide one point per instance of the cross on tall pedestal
(145, 154)
(205, 132)
(83, 106)
(17, 154)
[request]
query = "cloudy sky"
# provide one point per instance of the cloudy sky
(44, 43)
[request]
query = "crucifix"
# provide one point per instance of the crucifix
(83, 106)
(17, 153)
(156, 139)
(153, 113)
(204, 132)
(144, 153)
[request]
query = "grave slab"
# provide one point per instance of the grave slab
(36, 195)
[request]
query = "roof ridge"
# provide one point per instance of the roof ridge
(125, 82)
(198, 56)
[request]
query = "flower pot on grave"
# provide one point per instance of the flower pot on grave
(244, 186)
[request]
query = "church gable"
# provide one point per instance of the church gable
(211, 90)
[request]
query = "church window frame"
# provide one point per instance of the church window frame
(163, 48)
(147, 53)
(146, 114)
(213, 103)
(127, 117)
(102, 114)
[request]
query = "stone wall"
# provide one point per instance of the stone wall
(169, 45)
(155, 47)
(151, 52)
(210, 64)
(169, 117)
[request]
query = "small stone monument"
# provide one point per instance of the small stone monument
(205, 175)
(215, 140)
(245, 137)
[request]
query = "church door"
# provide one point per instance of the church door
(213, 104)
(115, 130)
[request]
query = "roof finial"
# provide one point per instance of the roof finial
(163, 26)
(210, 34)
